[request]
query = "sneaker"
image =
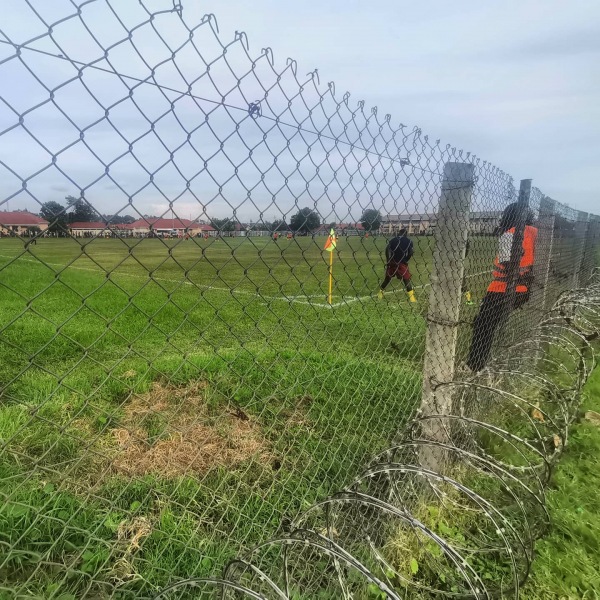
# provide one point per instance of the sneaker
(380, 295)
(412, 297)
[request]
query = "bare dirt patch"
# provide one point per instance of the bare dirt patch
(168, 431)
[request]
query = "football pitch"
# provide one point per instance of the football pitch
(190, 396)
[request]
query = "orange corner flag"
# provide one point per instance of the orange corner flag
(330, 243)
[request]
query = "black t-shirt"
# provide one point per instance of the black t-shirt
(399, 249)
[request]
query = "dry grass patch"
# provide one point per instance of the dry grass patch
(130, 534)
(169, 431)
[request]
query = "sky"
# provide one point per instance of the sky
(515, 83)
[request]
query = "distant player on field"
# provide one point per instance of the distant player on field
(397, 253)
(466, 288)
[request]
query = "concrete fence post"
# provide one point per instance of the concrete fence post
(450, 237)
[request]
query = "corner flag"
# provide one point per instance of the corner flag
(330, 247)
(330, 242)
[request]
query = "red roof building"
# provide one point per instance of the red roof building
(88, 226)
(19, 221)
(357, 226)
(165, 225)
(98, 225)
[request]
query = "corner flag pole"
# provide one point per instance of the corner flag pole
(330, 247)
(330, 276)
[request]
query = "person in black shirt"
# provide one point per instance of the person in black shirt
(397, 253)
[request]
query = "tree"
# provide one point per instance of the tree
(81, 211)
(305, 220)
(260, 226)
(279, 225)
(371, 219)
(56, 216)
(223, 224)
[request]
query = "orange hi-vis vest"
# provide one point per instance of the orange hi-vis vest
(500, 275)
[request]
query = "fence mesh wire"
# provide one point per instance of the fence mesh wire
(178, 383)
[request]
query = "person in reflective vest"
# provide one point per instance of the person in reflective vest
(493, 305)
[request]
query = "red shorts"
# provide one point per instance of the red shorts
(399, 270)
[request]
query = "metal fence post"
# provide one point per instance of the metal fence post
(544, 248)
(516, 251)
(506, 333)
(580, 232)
(446, 280)
(590, 251)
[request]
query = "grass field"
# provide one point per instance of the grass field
(165, 403)
(566, 567)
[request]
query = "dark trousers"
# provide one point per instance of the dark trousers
(491, 314)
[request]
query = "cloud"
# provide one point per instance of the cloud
(558, 44)
(514, 83)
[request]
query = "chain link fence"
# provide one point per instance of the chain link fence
(453, 507)
(184, 369)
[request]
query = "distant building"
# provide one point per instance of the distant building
(99, 229)
(168, 227)
(340, 229)
(480, 222)
(20, 222)
(204, 229)
(142, 228)
(349, 229)
(162, 227)
(415, 224)
(484, 222)
(87, 229)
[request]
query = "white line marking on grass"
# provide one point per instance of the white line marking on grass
(262, 298)
(306, 296)
(148, 277)
(353, 299)
(283, 298)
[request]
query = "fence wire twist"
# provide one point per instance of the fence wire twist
(178, 383)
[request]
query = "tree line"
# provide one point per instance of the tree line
(305, 220)
(77, 210)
